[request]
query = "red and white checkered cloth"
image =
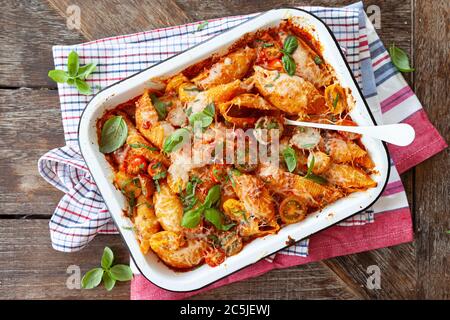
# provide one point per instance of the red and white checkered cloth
(81, 213)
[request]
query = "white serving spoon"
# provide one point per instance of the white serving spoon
(401, 134)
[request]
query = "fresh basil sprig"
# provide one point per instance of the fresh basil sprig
(192, 218)
(289, 46)
(176, 140)
(311, 176)
(107, 272)
(400, 59)
(75, 75)
(160, 106)
(290, 158)
(114, 134)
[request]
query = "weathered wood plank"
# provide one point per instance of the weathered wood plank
(100, 19)
(29, 29)
(30, 125)
(397, 271)
(431, 38)
(31, 269)
(311, 281)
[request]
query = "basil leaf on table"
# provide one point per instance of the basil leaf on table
(114, 134)
(75, 74)
(400, 59)
(216, 218)
(290, 158)
(92, 278)
(73, 63)
(176, 140)
(121, 272)
(107, 258)
(59, 76)
(83, 87)
(86, 70)
(108, 281)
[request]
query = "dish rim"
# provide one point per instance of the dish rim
(372, 118)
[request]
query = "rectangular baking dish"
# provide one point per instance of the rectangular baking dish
(154, 270)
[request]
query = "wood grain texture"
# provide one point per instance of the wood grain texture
(105, 18)
(29, 29)
(31, 269)
(311, 281)
(432, 59)
(30, 125)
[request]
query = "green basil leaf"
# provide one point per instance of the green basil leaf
(107, 258)
(86, 70)
(192, 218)
(114, 134)
(121, 272)
(59, 76)
(212, 197)
(209, 110)
(160, 106)
(141, 145)
(200, 118)
(83, 87)
(288, 64)
(73, 64)
(267, 45)
(316, 178)
(176, 140)
(71, 81)
(108, 281)
(216, 218)
(318, 60)
(202, 25)
(290, 44)
(290, 158)
(92, 278)
(335, 101)
(400, 59)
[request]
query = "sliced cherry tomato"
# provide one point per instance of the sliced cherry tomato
(155, 167)
(292, 210)
(215, 257)
(137, 164)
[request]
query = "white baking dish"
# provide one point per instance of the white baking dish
(120, 92)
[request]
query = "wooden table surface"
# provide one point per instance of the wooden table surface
(30, 125)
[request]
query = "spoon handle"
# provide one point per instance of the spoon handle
(400, 134)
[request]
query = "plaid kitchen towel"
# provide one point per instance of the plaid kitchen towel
(81, 213)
